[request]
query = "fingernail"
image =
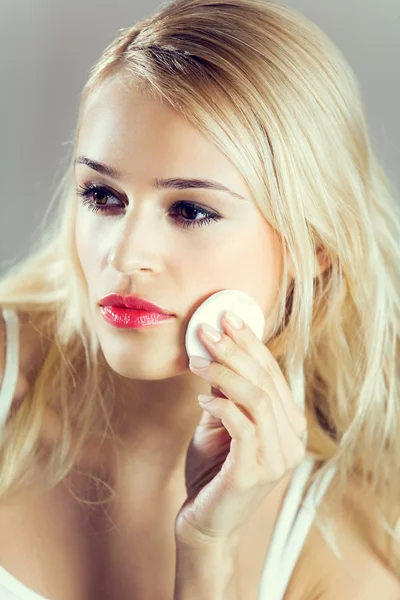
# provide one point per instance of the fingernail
(204, 398)
(233, 319)
(211, 333)
(198, 362)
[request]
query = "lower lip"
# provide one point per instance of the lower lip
(127, 318)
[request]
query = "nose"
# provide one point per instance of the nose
(133, 248)
(127, 267)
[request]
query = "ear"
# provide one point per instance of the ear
(322, 262)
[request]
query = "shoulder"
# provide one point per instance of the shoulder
(361, 573)
(355, 567)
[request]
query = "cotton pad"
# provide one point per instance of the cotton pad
(211, 312)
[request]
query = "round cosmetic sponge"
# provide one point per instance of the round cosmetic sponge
(211, 312)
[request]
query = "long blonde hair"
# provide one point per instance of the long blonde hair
(273, 93)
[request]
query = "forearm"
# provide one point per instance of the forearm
(205, 574)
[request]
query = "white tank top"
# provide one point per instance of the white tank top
(293, 523)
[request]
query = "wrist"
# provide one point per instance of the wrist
(205, 572)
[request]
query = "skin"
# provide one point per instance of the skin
(140, 249)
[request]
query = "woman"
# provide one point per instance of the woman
(219, 145)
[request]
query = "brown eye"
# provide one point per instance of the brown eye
(96, 198)
(191, 211)
(99, 196)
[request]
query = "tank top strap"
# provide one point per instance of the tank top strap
(11, 369)
(292, 527)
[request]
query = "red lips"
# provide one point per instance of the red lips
(132, 302)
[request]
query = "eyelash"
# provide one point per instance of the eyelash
(85, 191)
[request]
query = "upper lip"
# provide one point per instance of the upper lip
(133, 302)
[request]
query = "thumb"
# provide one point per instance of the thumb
(207, 420)
(210, 433)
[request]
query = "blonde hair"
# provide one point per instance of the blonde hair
(275, 95)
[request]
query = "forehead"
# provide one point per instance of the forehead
(143, 137)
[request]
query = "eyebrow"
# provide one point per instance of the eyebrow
(178, 183)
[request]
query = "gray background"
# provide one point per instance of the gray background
(47, 48)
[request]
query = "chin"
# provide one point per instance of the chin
(146, 366)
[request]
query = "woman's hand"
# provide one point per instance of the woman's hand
(247, 440)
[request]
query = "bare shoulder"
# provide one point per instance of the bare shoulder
(348, 564)
(361, 574)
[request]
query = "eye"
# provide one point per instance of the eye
(190, 208)
(95, 198)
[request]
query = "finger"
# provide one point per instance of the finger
(240, 388)
(254, 463)
(244, 355)
(229, 385)
(246, 339)
(292, 447)
(272, 435)
(252, 402)
(279, 447)
(295, 425)
(240, 470)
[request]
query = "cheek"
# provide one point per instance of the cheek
(244, 256)
(250, 261)
(85, 245)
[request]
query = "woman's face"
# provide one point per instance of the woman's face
(142, 244)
